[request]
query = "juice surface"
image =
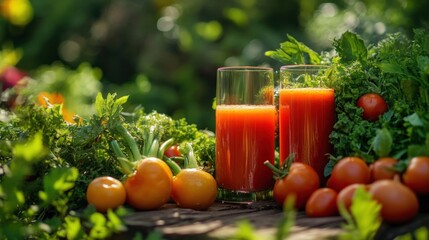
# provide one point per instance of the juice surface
(244, 141)
(306, 119)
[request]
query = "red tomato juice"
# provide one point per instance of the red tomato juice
(306, 118)
(244, 141)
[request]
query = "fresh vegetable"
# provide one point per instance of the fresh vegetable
(293, 179)
(150, 186)
(346, 195)
(105, 193)
(373, 106)
(416, 176)
(192, 187)
(383, 168)
(399, 204)
(347, 171)
(362, 218)
(322, 203)
(396, 69)
(172, 152)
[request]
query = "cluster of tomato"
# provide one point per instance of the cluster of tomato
(397, 192)
(151, 186)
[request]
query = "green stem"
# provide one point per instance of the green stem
(164, 147)
(116, 149)
(149, 136)
(153, 150)
(127, 167)
(190, 160)
(273, 168)
(131, 142)
(175, 168)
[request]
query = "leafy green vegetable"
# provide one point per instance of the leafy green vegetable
(294, 52)
(364, 218)
(397, 68)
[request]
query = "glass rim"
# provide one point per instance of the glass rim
(244, 68)
(301, 67)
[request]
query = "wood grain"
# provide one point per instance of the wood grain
(220, 222)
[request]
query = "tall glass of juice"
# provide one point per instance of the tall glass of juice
(245, 132)
(306, 115)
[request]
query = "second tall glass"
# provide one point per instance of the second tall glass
(245, 128)
(307, 114)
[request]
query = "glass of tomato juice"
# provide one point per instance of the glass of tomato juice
(245, 133)
(306, 115)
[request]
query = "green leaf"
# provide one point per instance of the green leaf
(414, 120)
(73, 228)
(382, 143)
(57, 182)
(245, 231)
(364, 218)
(351, 47)
(288, 219)
(294, 52)
(31, 150)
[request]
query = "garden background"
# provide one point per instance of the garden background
(164, 53)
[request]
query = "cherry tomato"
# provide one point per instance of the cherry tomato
(301, 181)
(194, 188)
(416, 176)
(150, 186)
(399, 204)
(105, 193)
(173, 151)
(347, 171)
(322, 203)
(382, 169)
(345, 196)
(373, 106)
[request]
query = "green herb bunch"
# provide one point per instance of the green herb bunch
(397, 68)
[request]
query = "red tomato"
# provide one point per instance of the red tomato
(416, 176)
(399, 204)
(150, 186)
(347, 171)
(373, 106)
(105, 193)
(194, 188)
(301, 181)
(322, 203)
(382, 169)
(345, 196)
(173, 151)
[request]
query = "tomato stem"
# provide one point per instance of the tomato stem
(276, 171)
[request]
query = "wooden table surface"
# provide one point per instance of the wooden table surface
(220, 222)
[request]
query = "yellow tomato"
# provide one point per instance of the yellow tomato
(105, 193)
(194, 189)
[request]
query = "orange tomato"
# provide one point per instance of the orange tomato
(322, 203)
(150, 186)
(105, 193)
(382, 169)
(347, 171)
(416, 176)
(399, 204)
(301, 181)
(194, 189)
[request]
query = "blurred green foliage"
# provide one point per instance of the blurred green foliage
(164, 53)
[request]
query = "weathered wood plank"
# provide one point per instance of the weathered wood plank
(220, 221)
